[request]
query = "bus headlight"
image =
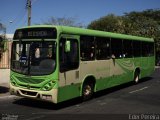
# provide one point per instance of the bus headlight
(48, 86)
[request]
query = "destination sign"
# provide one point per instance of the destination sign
(36, 33)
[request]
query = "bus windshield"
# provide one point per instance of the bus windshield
(33, 58)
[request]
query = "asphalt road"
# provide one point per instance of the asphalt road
(140, 101)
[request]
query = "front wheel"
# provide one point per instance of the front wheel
(87, 91)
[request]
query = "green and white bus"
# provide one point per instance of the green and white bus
(58, 63)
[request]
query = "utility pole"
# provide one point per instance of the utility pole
(29, 6)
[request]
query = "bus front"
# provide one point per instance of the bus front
(33, 63)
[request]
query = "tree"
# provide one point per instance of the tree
(2, 28)
(147, 24)
(144, 23)
(110, 23)
(2, 42)
(70, 21)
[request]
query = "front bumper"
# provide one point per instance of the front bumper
(50, 96)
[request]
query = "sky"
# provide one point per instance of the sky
(13, 13)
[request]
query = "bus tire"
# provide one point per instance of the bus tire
(136, 76)
(87, 91)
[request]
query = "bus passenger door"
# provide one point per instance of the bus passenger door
(69, 67)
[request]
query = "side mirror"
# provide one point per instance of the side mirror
(67, 46)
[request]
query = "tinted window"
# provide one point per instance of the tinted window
(103, 48)
(144, 49)
(87, 48)
(151, 49)
(147, 49)
(127, 49)
(137, 48)
(116, 48)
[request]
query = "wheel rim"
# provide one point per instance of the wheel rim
(87, 90)
(137, 79)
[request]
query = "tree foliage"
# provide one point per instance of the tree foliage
(110, 23)
(2, 42)
(145, 23)
(2, 29)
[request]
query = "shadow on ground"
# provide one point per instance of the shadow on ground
(119, 87)
(3, 89)
(50, 106)
(46, 105)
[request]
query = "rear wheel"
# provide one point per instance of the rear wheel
(87, 91)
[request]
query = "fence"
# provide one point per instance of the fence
(6, 56)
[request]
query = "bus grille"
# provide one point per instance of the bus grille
(28, 93)
(30, 80)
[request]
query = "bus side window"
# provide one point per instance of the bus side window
(87, 48)
(147, 49)
(102, 48)
(127, 49)
(137, 48)
(116, 47)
